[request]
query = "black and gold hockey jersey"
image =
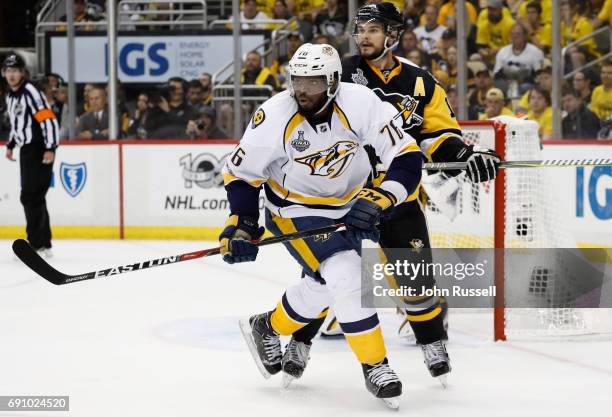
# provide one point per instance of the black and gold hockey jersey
(421, 103)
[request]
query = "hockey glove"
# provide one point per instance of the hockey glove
(361, 220)
(236, 239)
(483, 164)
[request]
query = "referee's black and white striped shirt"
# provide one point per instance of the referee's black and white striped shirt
(32, 120)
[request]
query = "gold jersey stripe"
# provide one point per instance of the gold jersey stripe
(411, 147)
(304, 199)
(286, 226)
(227, 178)
(396, 71)
(343, 118)
(296, 120)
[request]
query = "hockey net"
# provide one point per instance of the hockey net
(518, 211)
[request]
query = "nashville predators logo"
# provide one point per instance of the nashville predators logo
(258, 118)
(406, 105)
(331, 162)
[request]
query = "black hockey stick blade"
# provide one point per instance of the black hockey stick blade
(32, 259)
(28, 255)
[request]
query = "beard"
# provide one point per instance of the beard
(373, 55)
(314, 109)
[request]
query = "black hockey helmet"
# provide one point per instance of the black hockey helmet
(391, 19)
(384, 12)
(13, 61)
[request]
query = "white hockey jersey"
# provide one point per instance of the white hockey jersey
(317, 170)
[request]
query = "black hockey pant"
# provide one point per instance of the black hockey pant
(35, 181)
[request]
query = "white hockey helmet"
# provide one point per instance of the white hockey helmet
(312, 60)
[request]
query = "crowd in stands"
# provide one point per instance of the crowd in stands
(509, 66)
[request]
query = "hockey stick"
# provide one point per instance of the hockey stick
(32, 259)
(546, 163)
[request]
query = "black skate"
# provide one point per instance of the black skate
(437, 360)
(263, 342)
(383, 383)
(294, 361)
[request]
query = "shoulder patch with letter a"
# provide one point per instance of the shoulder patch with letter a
(330, 162)
(258, 118)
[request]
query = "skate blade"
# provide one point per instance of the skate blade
(443, 380)
(247, 333)
(287, 380)
(405, 333)
(407, 337)
(392, 403)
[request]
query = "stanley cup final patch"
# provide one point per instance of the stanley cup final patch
(258, 118)
(300, 144)
(359, 78)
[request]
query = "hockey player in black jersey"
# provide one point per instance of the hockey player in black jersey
(423, 106)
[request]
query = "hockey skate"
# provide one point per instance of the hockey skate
(263, 342)
(437, 360)
(294, 361)
(382, 381)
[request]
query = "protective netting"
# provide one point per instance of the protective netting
(460, 214)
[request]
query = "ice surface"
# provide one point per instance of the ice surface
(165, 342)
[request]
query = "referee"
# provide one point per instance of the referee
(35, 130)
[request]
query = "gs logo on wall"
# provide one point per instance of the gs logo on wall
(204, 170)
(73, 177)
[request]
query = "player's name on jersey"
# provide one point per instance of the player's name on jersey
(454, 291)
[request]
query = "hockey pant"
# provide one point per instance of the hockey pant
(407, 228)
(333, 278)
(35, 181)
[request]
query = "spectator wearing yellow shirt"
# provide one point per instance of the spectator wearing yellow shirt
(207, 95)
(446, 16)
(604, 17)
(601, 99)
(540, 33)
(482, 83)
(281, 12)
(453, 70)
(266, 6)
(546, 11)
(279, 65)
(414, 12)
(541, 112)
(493, 29)
(543, 80)
(575, 26)
(305, 9)
(495, 105)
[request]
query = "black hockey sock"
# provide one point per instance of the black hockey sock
(308, 332)
(429, 331)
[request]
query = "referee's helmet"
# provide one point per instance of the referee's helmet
(13, 61)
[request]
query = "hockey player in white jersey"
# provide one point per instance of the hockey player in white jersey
(305, 146)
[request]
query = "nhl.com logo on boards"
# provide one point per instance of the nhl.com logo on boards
(202, 179)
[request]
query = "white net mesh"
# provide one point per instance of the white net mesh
(461, 215)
